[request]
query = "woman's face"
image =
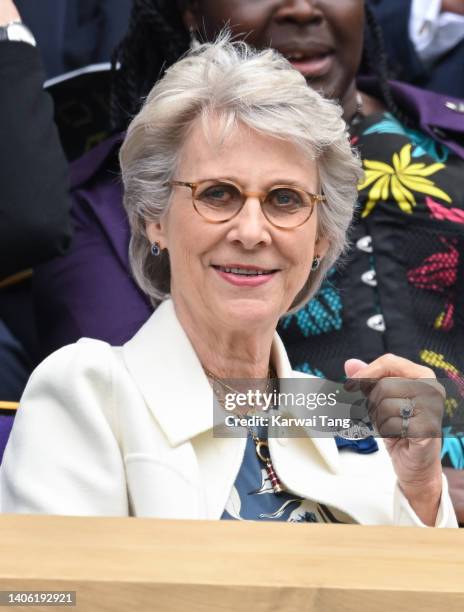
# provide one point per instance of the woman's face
(201, 253)
(323, 39)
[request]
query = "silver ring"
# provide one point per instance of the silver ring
(406, 412)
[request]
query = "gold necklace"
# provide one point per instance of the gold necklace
(261, 445)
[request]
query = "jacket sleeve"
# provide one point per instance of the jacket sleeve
(404, 515)
(62, 456)
(34, 206)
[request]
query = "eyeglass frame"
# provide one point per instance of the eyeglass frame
(315, 198)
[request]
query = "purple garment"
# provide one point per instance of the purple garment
(428, 110)
(90, 291)
(6, 423)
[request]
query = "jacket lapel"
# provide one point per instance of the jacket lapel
(169, 375)
(312, 467)
(171, 379)
(362, 487)
(325, 446)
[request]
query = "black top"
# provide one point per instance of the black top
(34, 205)
(74, 33)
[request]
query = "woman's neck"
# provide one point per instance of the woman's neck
(356, 103)
(227, 352)
(350, 103)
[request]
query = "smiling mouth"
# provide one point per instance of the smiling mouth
(312, 64)
(244, 271)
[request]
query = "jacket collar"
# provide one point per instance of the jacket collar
(431, 111)
(169, 374)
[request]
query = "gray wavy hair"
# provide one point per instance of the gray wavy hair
(239, 84)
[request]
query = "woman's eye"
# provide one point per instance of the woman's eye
(286, 198)
(218, 193)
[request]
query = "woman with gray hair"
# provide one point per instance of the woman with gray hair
(240, 185)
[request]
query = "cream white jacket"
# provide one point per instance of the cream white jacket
(127, 431)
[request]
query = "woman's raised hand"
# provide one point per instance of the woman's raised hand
(406, 405)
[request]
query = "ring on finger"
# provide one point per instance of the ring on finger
(406, 412)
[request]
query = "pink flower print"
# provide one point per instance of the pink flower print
(442, 213)
(438, 271)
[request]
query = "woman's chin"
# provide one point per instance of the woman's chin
(249, 313)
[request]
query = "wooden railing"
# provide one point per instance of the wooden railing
(125, 564)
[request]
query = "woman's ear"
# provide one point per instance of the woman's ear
(156, 232)
(321, 247)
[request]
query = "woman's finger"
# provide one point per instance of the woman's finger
(406, 388)
(424, 422)
(392, 365)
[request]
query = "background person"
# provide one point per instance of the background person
(425, 42)
(223, 169)
(75, 33)
(34, 202)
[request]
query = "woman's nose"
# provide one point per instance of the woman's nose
(301, 11)
(250, 227)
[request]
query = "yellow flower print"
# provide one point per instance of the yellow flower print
(401, 179)
(437, 360)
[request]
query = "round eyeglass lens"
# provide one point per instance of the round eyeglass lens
(217, 201)
(287, 206)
